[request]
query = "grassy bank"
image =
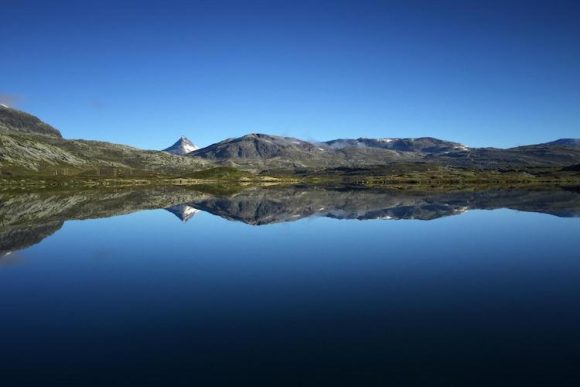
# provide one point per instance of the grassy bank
(225, 177)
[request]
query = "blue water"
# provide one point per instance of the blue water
(484, 298)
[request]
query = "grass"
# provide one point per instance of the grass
(220, 173)
(224, 179)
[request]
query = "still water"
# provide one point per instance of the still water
(290, 287)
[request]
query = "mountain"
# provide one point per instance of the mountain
(263, 152)
(267, 151)
(258, 145)
(182, 147)
(15, 121)
(422, 144)
(30, 147)
(563, 142)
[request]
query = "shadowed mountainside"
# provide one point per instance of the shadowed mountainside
(15, 121)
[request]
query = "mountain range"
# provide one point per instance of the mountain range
(30, 147)
(267, 151)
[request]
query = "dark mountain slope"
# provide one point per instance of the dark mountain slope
(12, 120)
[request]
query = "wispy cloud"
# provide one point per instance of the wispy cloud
(97, 104)
(10, 100)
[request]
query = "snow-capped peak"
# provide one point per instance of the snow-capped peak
(183, 146)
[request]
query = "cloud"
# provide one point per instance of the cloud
(97, 104)
(10, 100)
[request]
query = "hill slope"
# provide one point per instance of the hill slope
(30, 147)
(15, 121)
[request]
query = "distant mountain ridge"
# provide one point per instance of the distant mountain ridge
(268, 151)
(420, 144)
(567, 142)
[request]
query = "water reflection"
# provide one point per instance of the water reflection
(28, 218)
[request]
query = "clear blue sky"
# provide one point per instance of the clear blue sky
(485, 73)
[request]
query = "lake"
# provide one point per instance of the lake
(290, 286)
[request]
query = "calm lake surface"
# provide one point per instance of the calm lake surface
(290, 287)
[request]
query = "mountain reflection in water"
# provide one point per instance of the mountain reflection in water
(27, 218)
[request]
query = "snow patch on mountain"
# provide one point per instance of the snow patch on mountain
(182, 147)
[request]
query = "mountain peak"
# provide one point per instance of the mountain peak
(182, 146)
(565, 142)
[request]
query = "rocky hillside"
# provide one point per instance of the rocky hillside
(422, 144)
(267, 151)
(15, 121)
(30, 147)
(271, 152)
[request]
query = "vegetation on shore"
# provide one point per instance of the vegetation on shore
(228, 179)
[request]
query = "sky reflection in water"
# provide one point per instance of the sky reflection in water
(146, 299)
